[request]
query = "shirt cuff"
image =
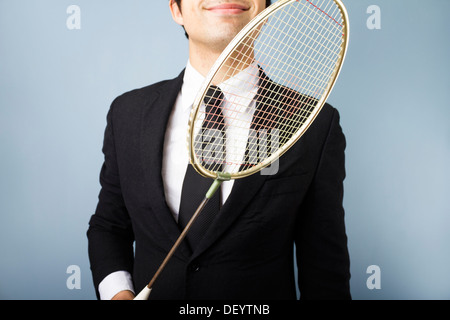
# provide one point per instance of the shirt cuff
(114, 283)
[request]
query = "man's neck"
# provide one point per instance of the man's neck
(203, 61)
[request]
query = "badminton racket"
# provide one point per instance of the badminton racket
(286, 60)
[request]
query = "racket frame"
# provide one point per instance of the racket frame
(218, 65)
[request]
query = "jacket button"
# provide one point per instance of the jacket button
(194, 268)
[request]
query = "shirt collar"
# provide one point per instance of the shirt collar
(192, 82)
(242, 87)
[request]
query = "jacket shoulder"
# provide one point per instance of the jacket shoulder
(132, 101)
(146, 92)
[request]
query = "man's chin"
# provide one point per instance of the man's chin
(225, 36)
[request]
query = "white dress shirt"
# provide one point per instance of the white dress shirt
(239, 92)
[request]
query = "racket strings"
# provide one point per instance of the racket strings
(295, 52)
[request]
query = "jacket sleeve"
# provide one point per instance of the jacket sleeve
(110, 235)
(321, 241)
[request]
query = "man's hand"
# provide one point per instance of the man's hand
(124, 295)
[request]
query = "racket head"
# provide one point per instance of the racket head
(297, 47)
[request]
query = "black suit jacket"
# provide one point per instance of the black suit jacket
(248, 251)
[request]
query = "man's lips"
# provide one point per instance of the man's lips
(227, 8)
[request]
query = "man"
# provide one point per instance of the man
(247, 253)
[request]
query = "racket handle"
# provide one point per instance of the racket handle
(146, 291)
(144, 294)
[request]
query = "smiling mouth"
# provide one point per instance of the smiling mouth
(228, 8)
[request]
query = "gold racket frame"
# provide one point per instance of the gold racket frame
(219, 63)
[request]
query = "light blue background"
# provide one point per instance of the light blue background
(56, 86)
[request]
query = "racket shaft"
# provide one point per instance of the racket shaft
(214, 187)
(178, 242)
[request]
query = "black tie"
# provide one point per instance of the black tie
(195, 186)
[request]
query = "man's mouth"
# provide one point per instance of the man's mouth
(227, 8)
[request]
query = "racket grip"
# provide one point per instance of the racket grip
(144, 294)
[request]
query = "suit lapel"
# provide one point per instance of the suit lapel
(154, 123)
(241, 195)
